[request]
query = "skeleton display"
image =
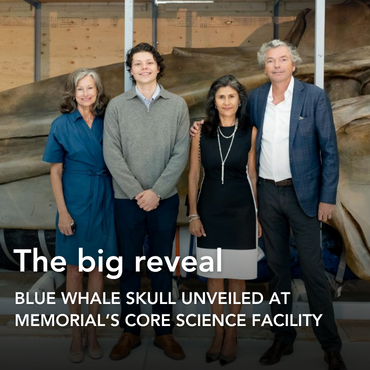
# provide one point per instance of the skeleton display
(26, 113)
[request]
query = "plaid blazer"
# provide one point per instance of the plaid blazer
(313, 152)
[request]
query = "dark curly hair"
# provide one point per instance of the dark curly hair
(150, 49)
(212, 121)
(69, 103)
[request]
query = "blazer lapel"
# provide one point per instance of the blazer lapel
(299, 94)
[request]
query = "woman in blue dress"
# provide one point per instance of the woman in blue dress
(83, 193)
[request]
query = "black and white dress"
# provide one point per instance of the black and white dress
(228, 211)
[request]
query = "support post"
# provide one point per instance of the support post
(154, 24)
(37, 56)
(319, 42)
(276, 19)
(129, 36)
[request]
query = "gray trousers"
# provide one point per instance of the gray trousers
(279, 211)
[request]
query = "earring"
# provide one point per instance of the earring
(216, 107)
(73, 98)
(240, 104)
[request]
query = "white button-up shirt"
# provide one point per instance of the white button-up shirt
(274, 158)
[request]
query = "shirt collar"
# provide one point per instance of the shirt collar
(75, 115)
(288, 92)
(154, 96)
(130, 94)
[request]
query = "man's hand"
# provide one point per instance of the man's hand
(195, 128)
(259, 229)
(147, 200)
(325, 211)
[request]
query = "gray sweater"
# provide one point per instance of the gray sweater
(146, 148)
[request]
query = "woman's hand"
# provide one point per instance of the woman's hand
(65, 219)
(259, 229)
(65, 222)
(196, 228)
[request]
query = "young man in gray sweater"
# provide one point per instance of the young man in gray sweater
(146, 145)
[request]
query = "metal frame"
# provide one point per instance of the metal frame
(319, 42)
(276, 16)
(129, 36)
(154, 24)
(37, 56)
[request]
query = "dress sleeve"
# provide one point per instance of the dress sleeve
(54, 151)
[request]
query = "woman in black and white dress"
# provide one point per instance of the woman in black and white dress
(225, 213)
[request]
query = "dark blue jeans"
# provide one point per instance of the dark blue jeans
(132, 224)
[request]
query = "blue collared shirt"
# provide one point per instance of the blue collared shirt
(144, 99)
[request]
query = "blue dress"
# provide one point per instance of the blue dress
(87, 187)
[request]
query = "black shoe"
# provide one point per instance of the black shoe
(334, 360)
(225, 360)
(275, 352)
(212, 356)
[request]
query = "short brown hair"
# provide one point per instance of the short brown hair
(150, 49)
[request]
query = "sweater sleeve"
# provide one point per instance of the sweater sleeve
(113, 156)
(176, 165)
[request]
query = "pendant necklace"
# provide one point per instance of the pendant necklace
(232, 136)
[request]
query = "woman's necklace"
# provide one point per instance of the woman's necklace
(232, 136)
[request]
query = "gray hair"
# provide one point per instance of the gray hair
(69, 104)
(84, 72)
(261, 55)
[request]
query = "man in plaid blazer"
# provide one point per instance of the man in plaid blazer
(298, 164)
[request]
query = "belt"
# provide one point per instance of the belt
(101, 173)
(286, 182)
